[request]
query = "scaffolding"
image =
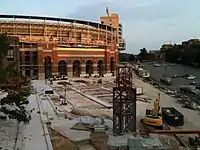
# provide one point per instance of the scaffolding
(59, 32)
(124, 102)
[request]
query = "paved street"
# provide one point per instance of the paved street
(158, 72)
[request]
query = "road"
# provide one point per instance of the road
(158, 72)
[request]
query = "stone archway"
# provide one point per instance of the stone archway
(47, 67)
(76, 68)
(100, 67)
(62, 68)
(89, 67)
(112, 65)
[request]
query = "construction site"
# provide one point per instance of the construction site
(112, 113)
(83, 99)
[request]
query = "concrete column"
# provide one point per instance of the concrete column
(54, 62)
(40, 64)
(23, 73)
(95, 71)
(108, 68)
(70, 70)
(31, 72)
(83, 69)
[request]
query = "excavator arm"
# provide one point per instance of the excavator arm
(156, 108)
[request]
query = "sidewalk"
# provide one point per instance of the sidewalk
(32, 134)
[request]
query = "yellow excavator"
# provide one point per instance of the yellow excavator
(153, 117)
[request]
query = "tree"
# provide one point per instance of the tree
(131, 57)
(143, 55)
(14, 104)
(184, 54)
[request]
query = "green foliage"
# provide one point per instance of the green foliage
(144, 55)
(126, 57)
(14, 104)
(187, 55)
(131, 57)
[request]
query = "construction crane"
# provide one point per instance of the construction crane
(108, 14)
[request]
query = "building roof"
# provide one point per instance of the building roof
(90, 23)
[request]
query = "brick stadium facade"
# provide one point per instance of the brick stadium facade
(56, 46)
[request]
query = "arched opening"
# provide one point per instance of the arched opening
(112, 65)
(62, 68)
(47, 67)
(76, 68)
(100, 67)
(89, 67)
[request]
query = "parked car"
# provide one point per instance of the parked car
(191, 77)
(166, 81)
(156, 65)
(170, 65)
(197, 86)
(193, 82)
(175, 76)
(189, 89)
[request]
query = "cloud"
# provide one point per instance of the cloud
(149, 23)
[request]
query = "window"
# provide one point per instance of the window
(34, 57)
(10, 56)
(35, 71)
(21, 73)
(20, 58)
(27, 56)
(27, 73)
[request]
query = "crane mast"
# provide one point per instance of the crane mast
(108, 14)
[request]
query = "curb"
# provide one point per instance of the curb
(44, 126)
(19, 138)
(49, 99)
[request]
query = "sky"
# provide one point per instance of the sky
(146, 23)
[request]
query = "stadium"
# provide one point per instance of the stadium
(46, 46)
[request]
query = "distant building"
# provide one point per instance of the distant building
(157, 55)
(166, 47)
(190, 42)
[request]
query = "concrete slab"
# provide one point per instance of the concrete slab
(8, 134)
(92, 98)
(64, 128)
(86, 147)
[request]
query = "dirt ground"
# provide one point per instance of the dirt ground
(99, 141)
(59, 142)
